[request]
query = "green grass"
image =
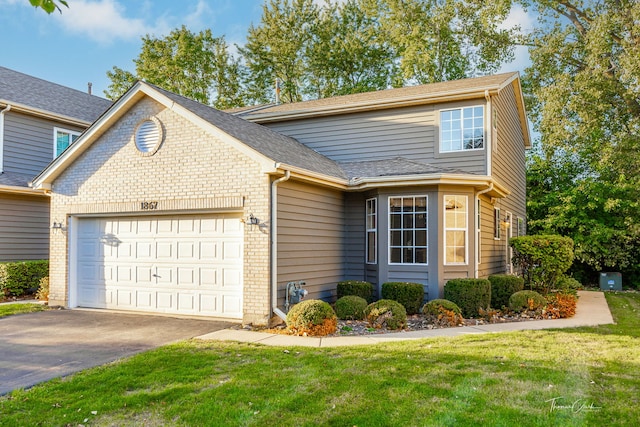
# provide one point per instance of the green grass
(19, 308)
(492, 379)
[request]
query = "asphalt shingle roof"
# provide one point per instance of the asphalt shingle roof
(273, 145)
(51, 97)
(392, 167)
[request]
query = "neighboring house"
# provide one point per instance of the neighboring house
(38, 120)
(171, 206)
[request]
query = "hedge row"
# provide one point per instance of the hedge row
(22, 277)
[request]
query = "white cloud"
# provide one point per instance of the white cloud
(526, 21)
(103, 21)
(197, 18)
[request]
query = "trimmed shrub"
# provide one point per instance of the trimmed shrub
(502, 287)
(410, 295)
(43, 289)
(469, 294)
(561, 305)
(21, 277)
(355, 287)
(542, 259)
(312, 317)
(351, 307)
(566, 284)
(442, 312)
(526, 300)
(386, 313)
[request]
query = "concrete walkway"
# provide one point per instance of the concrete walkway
(591, 310)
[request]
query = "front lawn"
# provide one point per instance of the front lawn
(574, 377)
(19, 308)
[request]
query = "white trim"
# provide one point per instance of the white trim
(6, 109)
(369, 230)
(461, 109)
(72, 262)
(508, 236)
(465, 229)
(71, 134)
(497, 232)
(407, 196)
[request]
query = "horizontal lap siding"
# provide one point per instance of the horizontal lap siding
(28, 143)
(410, 132)
(24, 228)
(355, 237)
(310, 239)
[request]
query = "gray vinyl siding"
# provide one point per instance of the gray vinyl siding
(24, 227)
(355, 239)
(311, 227)
(410, 132)
(28, 143)
(492, 251)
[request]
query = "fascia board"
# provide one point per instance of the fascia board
(21, 108)
(22, 190)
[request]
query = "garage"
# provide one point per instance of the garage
(177, 264)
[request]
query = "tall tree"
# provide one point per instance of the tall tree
(585, 87)
(197, 66)
(276, 49)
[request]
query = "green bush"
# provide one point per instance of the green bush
(21, 277)
(351, 307)
(355, 287)
(443, 312)
(502, 287)
(410, 295)
(568, 284)
(311, 317)
(526, 300)
(469, 294)
(386, 313)
(542, 259)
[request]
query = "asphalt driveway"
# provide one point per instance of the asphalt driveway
(37, 347)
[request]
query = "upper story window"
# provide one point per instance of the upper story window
(62, 138)
(462, 129)
(408, 230)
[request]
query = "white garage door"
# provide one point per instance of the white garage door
(182, 264)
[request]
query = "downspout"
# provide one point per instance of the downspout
(479, 227)
(7, 108)
(489, 125)
(274, 244)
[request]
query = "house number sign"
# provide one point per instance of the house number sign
(148, 206)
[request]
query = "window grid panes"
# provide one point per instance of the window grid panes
(408, 230)
(462, 129)
(455, 223)
(496, 223)
(63, 138)
(372, 231)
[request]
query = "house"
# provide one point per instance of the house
(171, 206)
(38, 119)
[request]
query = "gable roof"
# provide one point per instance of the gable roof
(272, 149)
(44, 98)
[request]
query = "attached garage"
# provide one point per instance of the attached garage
(178, 264)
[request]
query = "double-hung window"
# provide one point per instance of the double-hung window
(455, 229)
(372, 231)
(62, 138)
(408, 230)
(462, 129)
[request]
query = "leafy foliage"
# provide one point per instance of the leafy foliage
(351, 307)
(584, 96)
(195, 65)
(386, 313)
(311, 317)
(355, 287)
(442, 312)
(502, 287)
(561, 305)
(469, 294)
(542, 259)
(17, 278)
(43, 289)
(49, 6)
(410, 295)
(526, 300)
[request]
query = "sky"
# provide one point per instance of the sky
(89, 38)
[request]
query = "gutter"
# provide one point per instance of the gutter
(478, 226)
(6, 109)
(274, 243)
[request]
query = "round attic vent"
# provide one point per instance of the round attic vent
(148, 136)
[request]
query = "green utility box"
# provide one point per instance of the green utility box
(611, 281)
